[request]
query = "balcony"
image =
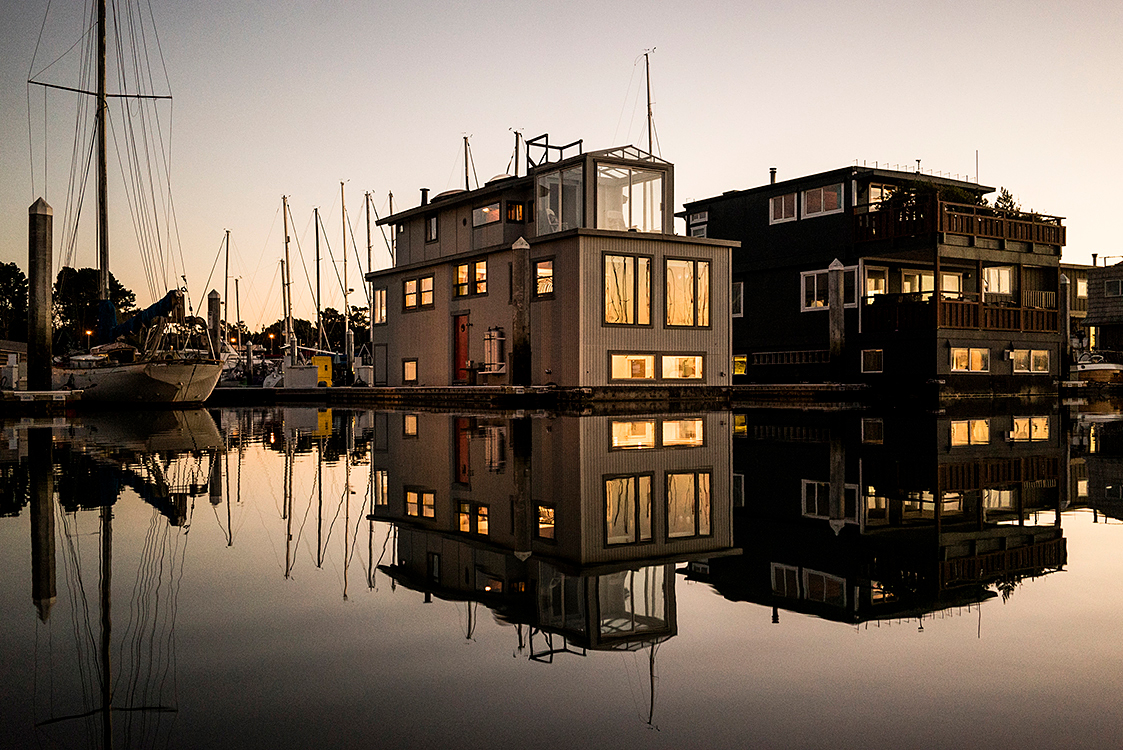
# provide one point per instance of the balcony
(927, 214)
(888, 313)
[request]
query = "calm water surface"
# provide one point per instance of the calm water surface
(300, 578)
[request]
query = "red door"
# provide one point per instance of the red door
(460, 348)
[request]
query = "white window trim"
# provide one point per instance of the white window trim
(771, 213)
(866, 277)
(802, 288)
(803, 201)
(951, 356)
(1031, 352)
(739, 313)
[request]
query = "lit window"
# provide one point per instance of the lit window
(379, 304)
(409, 290)
(1030, 429)
(464, 517)
(431, 228)
(515, 212)
(873, 360)
(409, 425)
(917, 282)
(485, 215)
(740, 425)
(544, 278)
(1030, 360)
(627, 509)
(627, 290)
(970, 360)
(418, 292)
(688, 504)
(998, 280)
(633, 434)
(877, 281)
(970, 431)
(878, 193)
(471, 278)
(409, 371)
(632, 367)
(421, 503)
(560, 200)
(782, 208)
(688, 293)
(822, 200)
(1082, 288)
(546, 522)
(381, 487)
(740, 364)
(426, 290)
(736, 299)
(816, 289)
(481, 520)
(682, 432)
(629, 198)
(682, 367)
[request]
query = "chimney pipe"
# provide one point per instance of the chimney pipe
(424, 196)
(1094, 258)
(772, 175)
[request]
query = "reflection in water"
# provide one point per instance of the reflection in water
(571, 532)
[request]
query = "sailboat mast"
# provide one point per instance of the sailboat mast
(286, 282)
(348, 346)
(102, 169)
(226, 292)
(366, 199)
(319, 323)
(647, 72)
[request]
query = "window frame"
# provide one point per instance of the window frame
(534, 271)
(516, 212)
(481, 215)
(422, 493)
(432, 228)
(1031, 360)
(784, 218)
(737, 299)
(696, 473)
(405, 363)
(970, 426)
(697, 312)
(880, 353)
(658, 430)
(1113, 287)
(378, 306)
(634, 302)
(851, 271)
(419, 293)
(806, 213)
(474, 286)
(636, 477)
(701, 356)
(970, 353)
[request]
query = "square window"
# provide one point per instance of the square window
(782, 208)
(970, 432)
(873, 360)
(682, 433)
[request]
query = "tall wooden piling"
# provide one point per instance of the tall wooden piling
(40, 221)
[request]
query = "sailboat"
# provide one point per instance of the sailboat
(170, 358)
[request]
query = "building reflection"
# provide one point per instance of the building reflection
(858, 517)
(569, 527)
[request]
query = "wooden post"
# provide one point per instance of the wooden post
(40, 222)
(1064, 314)
(836, 319)
(40, 456)
(520, 298)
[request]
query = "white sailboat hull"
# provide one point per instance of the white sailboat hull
(142, 382)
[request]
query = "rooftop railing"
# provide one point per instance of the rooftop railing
(927, 214)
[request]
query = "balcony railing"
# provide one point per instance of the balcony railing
(885, 313)
(926, 215)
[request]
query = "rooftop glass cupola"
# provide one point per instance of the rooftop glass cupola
(621, 189)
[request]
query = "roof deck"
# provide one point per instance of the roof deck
(928, 214)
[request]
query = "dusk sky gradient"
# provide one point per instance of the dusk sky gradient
(275, 98)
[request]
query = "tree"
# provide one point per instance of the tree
(76, 302)
(1005, 201)
(13, 303)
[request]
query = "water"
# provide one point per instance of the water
(294, 577)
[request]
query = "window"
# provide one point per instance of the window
(381, 487)
(629, 198)
(409, 425)
(633, 434)
(917, 282)
(698, 230)
(825, 588)
(738, 488)
(740, 364)
(816, 289)
(740, 425)
(546, 522)
(560, 200)
(379, 304)
(688, 504)
(1113, 288)
(409, 370)
(817, 500)
(873, 430)
(873, 360)
(544, 278)
(970, 431)
(998, 280)
(682, 367)
(472, 517)
(682, 433)
(970, 360)
(485, 215)
(785, 581)
(627, 509)
(1082, 288)
(878, 193)
(471, 278)
(877, 281)
(627, 290)
(481, 520)
(632, 366)
(420, 503)
(431, 228)
(418, 292)
(736, 299)
(822, 200)
(688, 292)
(515, 212)
(782, 208)
(1030, 360)
(1030, 429)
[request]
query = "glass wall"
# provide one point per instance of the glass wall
(629, 198)
(560, 201)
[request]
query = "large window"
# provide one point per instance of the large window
(485, 215)
(1031, 360)
(688, 292)
(627, 509)
(682, 367)
(639, 434)
(379, 306)
(627, 290)
(420, 503)
(544, 278)
(560, 200)
(998, 280)
(816, 289)
(822, 200)
(418, 292)
(1028, 429)
(782, 208)
(629, 198)
(688, 504)
(970, 360)
(917, 282)
(471, 278)
(970, 431)
(631, 366)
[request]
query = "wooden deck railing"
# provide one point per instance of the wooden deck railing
(910, 312)
(1032, 558)
(927, 215)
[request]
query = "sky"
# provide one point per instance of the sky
(287, 98)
